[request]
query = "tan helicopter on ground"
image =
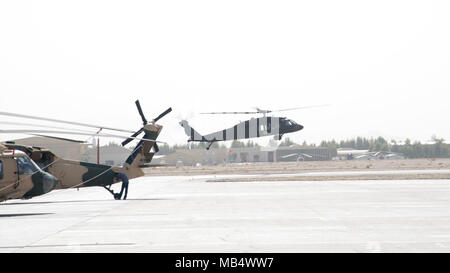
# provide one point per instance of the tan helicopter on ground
(20, 177)
(35, 171)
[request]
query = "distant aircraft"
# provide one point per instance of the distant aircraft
(378, 155)
(299, 156)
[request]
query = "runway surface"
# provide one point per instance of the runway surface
(188, 214)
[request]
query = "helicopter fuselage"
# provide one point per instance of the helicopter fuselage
(252, 128)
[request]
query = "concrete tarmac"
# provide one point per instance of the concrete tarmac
(188, 214)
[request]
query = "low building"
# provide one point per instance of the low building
(111, 154)
(278, 154)
(193, 157)
(248, 154)
(61, 148)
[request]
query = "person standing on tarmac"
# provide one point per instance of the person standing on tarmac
(124, 179)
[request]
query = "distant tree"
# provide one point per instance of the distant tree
(251, 144)
(113, 144)
(165, 149)
(287, 142)
(331, 145)
(378, 144)
(359, 143)
(439, 147)
(348, 143)
(237, 144)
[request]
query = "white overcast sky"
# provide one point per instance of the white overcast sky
(383, 65)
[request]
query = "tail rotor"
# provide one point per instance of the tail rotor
(145, 122)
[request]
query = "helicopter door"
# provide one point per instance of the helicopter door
(8, 171)
(262, 126)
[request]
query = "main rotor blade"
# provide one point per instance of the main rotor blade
(138, 105)
(262, 111)
(30, 132)
(303, 107)
(163, 114)
(128, 140)
(63, 121)
(42, 126)
(231, 113)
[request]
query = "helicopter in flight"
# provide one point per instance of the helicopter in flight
(27, 171)
(252, 128)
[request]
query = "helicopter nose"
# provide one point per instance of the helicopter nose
(300, 127)
(48, 183)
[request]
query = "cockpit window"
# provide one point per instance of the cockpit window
(26, 166)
